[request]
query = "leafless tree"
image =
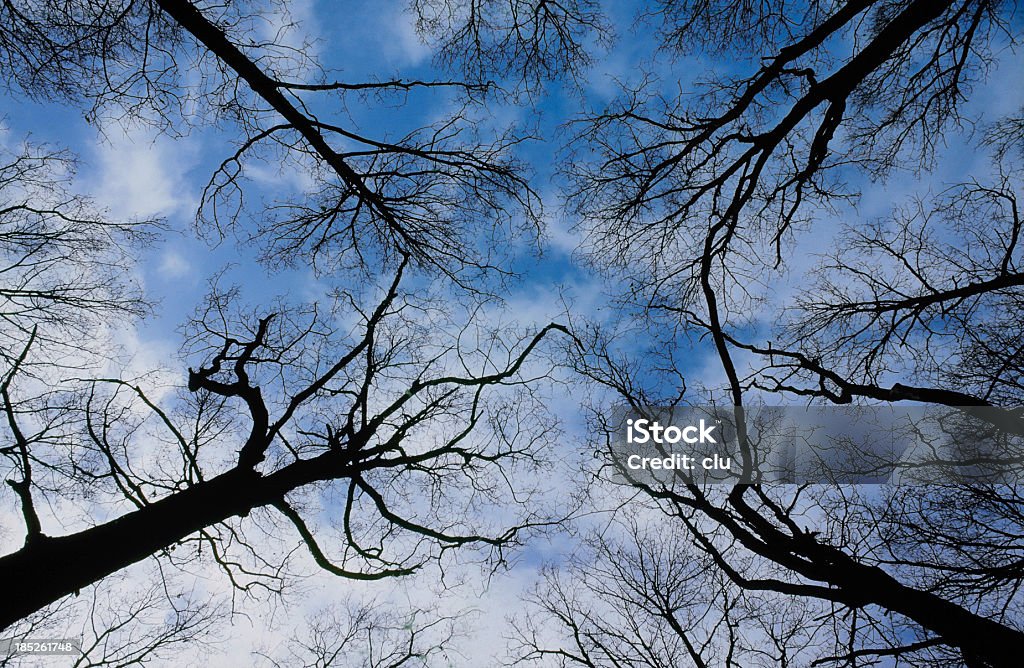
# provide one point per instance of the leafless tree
(369, 636)
(62, 257)
(121, 623)
(431, 193)
(640, 595)
(702, 203)
(377, 429)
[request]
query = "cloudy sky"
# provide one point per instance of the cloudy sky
(133, 171)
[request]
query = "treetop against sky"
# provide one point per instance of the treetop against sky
(314, 318)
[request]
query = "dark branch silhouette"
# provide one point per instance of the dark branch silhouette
(702, 203)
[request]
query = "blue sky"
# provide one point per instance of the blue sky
(136, 172)
(133, 171)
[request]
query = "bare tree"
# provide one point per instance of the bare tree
(62, 258)
(701, 203)
(122, 623)
(367, 636)
(381, 409)
(379, 428)
(639, 594)
(430, 192)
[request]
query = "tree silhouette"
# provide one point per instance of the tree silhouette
(62, 257)
(377, 428)
(367, 636)
(702, 202)
(395, 397)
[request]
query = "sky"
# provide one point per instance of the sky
(136, 172)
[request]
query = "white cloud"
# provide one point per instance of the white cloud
(391, 34)
(292, 25)
(404, 39)
(140, 175)
(173, 265)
